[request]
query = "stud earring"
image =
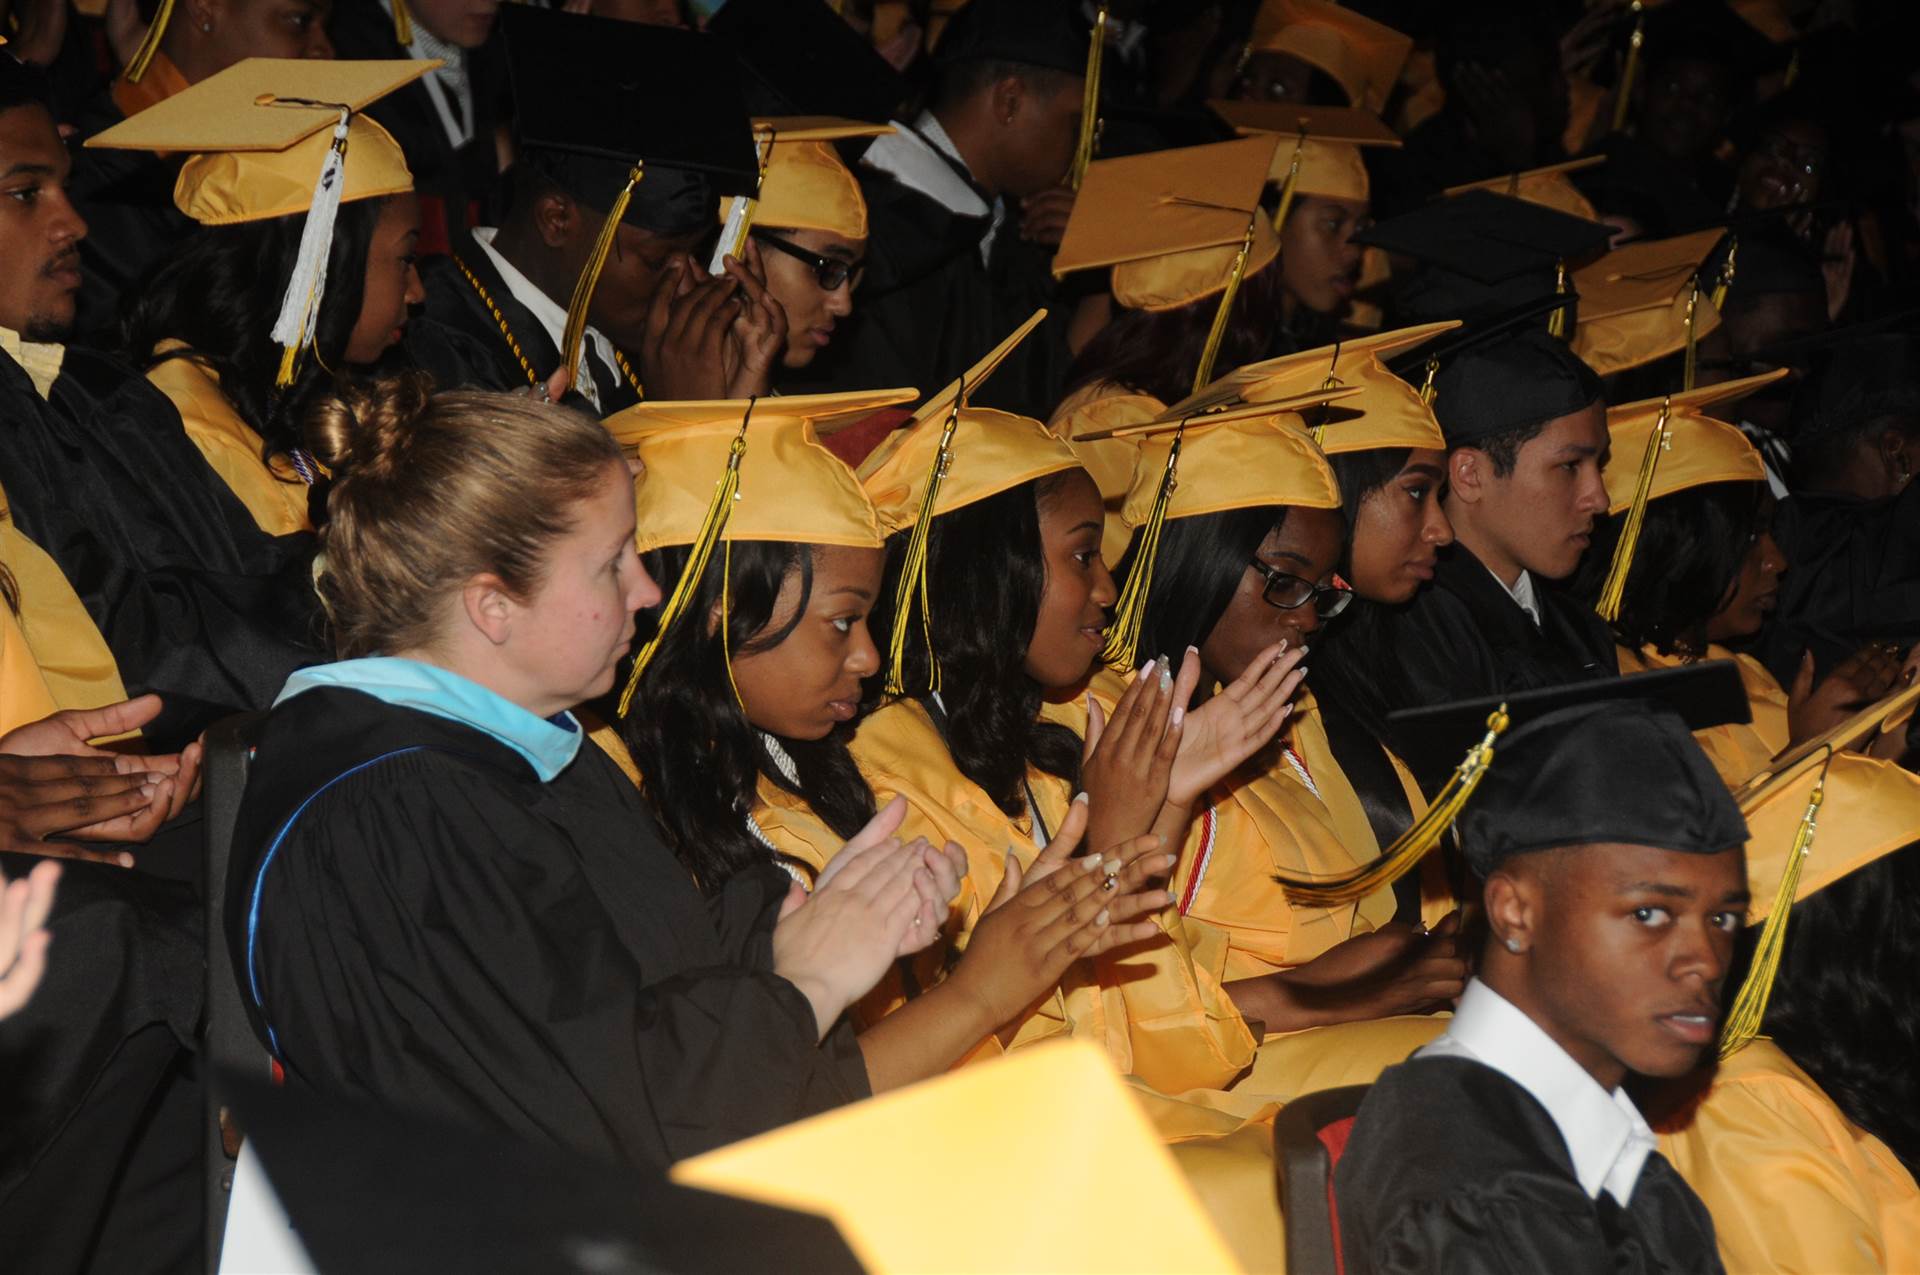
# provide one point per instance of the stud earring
(1513, 945)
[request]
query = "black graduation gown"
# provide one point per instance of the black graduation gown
(1855, 578)
(1453, 1167)
(440, 931)
(928, 308)
(126, 198)
(194, 600)
(457, 337)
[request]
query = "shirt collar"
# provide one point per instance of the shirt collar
(1607, 1139)
(913, 156)
(41, 361)
(549, 314)
(549, 744)
(1522, 593)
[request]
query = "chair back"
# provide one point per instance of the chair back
(1308, 1135)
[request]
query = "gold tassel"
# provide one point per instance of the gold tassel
(913, 570)
(1725, 281)
(1749, 1008)
(1410, 846)
(1793, 70)
(1287, 186)
(1557, 321)
(1426, 386)
(1203, 375)
(576, 330)
(149, 43)
(1090, 100)
(402, 24)
(1615, 588)
(1122, 649)
(719, 509)
(1632, 68)
(1693, 306)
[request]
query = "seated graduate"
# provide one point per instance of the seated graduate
(1509, 1144)
(207, 324)
(442, 901)
(1237, 534)
(590, 267)
(967, 205)
(137, 569)
(1314, 53)
(763, 657)
(125, 195)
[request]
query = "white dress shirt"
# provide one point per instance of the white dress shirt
(912, 155)
(552, 317)
(1607, 1139)
(1521, 591)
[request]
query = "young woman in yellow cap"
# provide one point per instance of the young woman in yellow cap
(764, 661)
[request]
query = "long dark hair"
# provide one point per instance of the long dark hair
(1156, 351)
(986, 576)
(700, 757)
(1354, 667)
(1688, 559)
(1199, 566)
(220, 294)
(1843, 1006)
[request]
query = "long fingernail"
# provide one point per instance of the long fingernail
(1090, 864)
(1102, 919)
(1167, 861)
(1283, 647)
(1112, 867)
(1080, 797)
(1146, 668)
(1178, 715)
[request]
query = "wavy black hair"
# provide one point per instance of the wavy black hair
(1156, 351)
(986, 576)
(220, 294)
(1199, 567)
(1843, 1005)
(1685, 565)
(700, 757)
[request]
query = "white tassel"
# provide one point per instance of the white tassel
(733, 235)
(309, 282)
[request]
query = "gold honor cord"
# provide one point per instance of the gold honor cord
(913, 569)
(1410, 846)
(1615, 588)
(1203, 375)
(1624, 93)
(1725, 280)
(576, 329)
(1693, 331)
(726, 490)
(1749, 1009)
(1122, 649)
(1090, 101)
(149, 43)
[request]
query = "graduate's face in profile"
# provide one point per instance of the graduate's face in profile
(1307, 545)
(566, 639)
(466, 23)
(1039, 130)
(809, 682)
(1539, 517)
(1400, 529)
(812, 310)
(264, 29)
(1623, 950)
(1071, 625)
(1275, 77)
(1319, 262)
(1756, 589)
(392, 282)
(40, 232)
(1685, 108)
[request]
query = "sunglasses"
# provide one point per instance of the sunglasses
(1291, 592)
(831, 272)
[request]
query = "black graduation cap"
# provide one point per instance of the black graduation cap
(1484, 253)
(1767, 259)
(595, 96)
(1849, 377)
(802, 59)
(1410, 364)
(1608, 760)
(1709, 31)
(1804, 351)
(1048, 33)
(1508, 380)
(370, 1190)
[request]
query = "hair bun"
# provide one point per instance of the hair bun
(366, 426)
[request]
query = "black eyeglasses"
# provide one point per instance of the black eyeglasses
(1291, 592)
(832, 272)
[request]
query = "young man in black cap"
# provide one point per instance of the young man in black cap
(1615, 883)
(1526, 429)
(966, 205)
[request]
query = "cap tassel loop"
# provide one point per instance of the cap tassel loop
(576, 330)
(1203, 375)
(719, 509)
(1090, 101)
(1615, 588)
(1129, 613)
(402, 24)
(1426, 385)
(913, 570)
(1749, 1008)
(1557, 321)
(1693, 335)
(1410, 846)
(1725, 279)
(1624, 94)
(300, 306)
(149, 43)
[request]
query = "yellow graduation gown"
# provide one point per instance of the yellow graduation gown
(75, 666)
(1792, 1184)
(275, 495)
(24, 696)
(1737, 751)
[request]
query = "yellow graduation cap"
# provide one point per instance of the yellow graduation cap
(1177, 226)
(803, 183)
(1010, 1131)
(697, 488)
(1109, 459)
(1643, 301)
(1362, 56)
(1323, 157)
(1679, 447)
(1549, 187)
(270, 138)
